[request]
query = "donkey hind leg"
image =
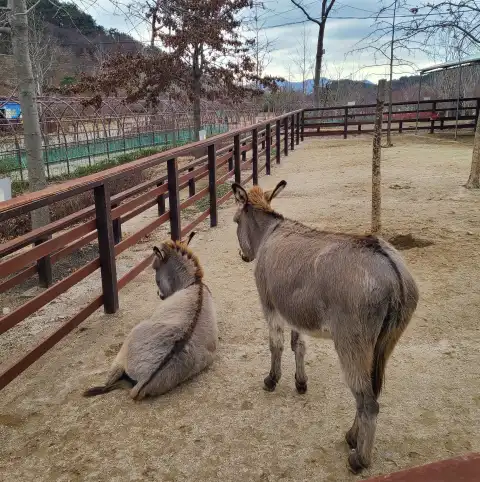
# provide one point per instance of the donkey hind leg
(356, 360)
(275, 328)
(367, 411)
(298, 347)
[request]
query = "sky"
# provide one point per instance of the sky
(284, 26)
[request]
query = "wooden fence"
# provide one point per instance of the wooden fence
(235, 152)
(407, 116)
(244, 151)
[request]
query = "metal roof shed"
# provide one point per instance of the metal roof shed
(446, 66)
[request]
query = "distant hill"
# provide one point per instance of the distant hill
(78, 42)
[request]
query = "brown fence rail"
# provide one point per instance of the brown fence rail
(248, 151)
(407, 116)
(241, 154)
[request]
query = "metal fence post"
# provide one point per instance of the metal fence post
(174, 199)
(255, 156)
(285, 137)
(268, 145)
(106, 248)
(345, 124)
(212, 184)
(277, 141)
(237, 159)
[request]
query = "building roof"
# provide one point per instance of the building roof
(450, 65)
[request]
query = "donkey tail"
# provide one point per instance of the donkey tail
(102, 389)
(386, 341)
(115, 380)
(393, 325)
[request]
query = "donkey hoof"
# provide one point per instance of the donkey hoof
(301, 387)
(355, 463)
(351, 440)
(269, 383)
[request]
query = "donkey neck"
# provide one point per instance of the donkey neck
(182, 272)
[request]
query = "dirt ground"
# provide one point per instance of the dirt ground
(222, 425)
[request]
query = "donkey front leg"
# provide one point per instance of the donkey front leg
(298, 347)
(275, 328)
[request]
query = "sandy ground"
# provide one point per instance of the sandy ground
(222, 425)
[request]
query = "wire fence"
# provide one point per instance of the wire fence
(77, 137)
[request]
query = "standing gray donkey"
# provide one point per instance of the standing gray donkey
(180, 338)
(353, 289)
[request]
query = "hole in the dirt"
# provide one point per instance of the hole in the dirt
(408, 241)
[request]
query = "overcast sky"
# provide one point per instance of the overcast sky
(346, 26)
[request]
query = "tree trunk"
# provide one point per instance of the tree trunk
(474, 178)
(28, 104)
(377, 154)
(318, 64)
(197, 114)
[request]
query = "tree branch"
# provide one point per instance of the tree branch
(314, 20)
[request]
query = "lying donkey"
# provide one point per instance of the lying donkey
(180, 338)
(353, 289)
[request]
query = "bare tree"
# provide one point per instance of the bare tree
(303, 59)
(28, 103)
(474, 178)
(262, 46)
(327, 6)
(388, 47)
(461, 18)
(44, 52)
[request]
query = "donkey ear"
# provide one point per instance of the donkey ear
(158, 253)
(159, 257)
(269, 195)
(240, 194)
(190, 236)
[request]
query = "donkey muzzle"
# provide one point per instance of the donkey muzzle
(244, 258)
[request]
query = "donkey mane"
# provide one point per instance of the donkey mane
(179, 248)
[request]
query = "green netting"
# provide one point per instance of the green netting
(109, 146)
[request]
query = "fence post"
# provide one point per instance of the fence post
(400, 127)
(345, 124)
(237, 159)
(285, 138)
(191, 184)
(212, 183)
(174, 199)
(292, 133)
(297, 140)
(255, 156)
(277, 141)
(432, 122)
(44, 267)
(103, 211)
(302, 131)
(117, 228)
(268, 145)
(161, 201)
